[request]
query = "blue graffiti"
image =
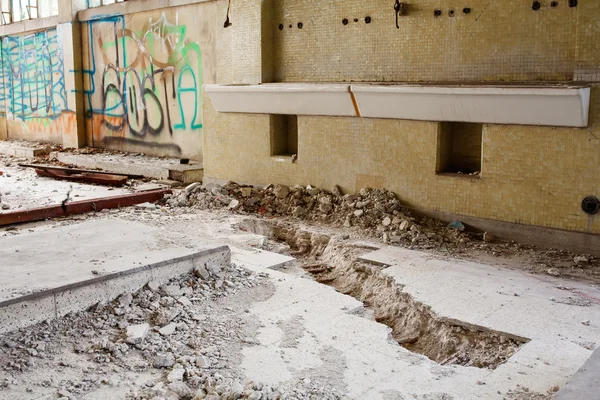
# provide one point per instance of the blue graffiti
(32, 76)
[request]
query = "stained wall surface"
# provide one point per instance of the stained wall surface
(143, 77)
(529, 175)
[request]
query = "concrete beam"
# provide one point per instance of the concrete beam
(132, 7)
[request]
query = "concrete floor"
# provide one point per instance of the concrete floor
(53, 271)
(21, 188)
(309, 331)
(308, 328)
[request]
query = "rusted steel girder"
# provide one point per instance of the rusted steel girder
(80, 207)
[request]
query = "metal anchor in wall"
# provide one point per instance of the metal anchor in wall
(399, 9)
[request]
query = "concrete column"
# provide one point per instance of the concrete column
(67, 9)
(69, 30)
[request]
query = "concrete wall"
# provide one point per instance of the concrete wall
(36, 100)
(530, 175)
(143, 76)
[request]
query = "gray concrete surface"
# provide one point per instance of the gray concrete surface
(53, 271)
(585, 384)
(330, 333)
(23, 149)
(150, 167)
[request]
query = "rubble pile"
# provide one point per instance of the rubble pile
(179, 328)
(375, 212)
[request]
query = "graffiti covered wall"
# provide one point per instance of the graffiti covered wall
(143, 78)
(34, 98)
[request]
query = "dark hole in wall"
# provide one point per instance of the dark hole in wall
(459, 148)
(590, 205)
(284, 135)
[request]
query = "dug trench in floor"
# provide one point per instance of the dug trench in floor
(305, 339)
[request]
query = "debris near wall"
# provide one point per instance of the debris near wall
(372, 212)
(185, 337)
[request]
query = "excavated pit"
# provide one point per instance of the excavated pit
(333, 261)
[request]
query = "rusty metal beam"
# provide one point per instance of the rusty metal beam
(84, 177)
(75, 170)
(81, 207)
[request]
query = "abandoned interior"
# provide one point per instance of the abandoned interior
(299, 199)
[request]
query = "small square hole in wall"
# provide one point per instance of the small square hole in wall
(284, 135)
(459, 148)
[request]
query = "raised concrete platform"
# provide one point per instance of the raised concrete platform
(54, 271)
(23, 150)
(150, 167)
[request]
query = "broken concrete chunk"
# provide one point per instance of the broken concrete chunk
(313, 191)
(146, 206)
(553, 272)
(202, 362)
(387, 221)
(176, 375)
(164, 360)
(192, 187)
(336, 190)
(405, 226)
(184, 301)
(201, 272)
(125, 300)
(359, 213)
(246, 191)
(233, 204)
(168, 329)
(580, 260)
(281, 191)
(137, 333)
(182, 390)
(325, 207)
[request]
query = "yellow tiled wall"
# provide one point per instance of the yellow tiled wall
(530, 175)
(497, 41)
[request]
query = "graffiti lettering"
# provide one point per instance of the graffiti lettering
(151, 79)
(32, 76)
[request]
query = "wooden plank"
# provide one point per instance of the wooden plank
(80, 207)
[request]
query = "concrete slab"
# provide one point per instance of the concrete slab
(186, 174)
(52, 272)
(151, 167)
(307, 327)
(23, 150)
(586, 382)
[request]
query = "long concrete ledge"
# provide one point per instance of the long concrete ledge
(520, 105)
(284, 98)
(54, 303)
(29, 25)
(157, 169)
(55, 271)
(546, 106)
